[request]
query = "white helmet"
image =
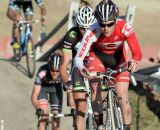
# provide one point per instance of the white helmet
(85, 16)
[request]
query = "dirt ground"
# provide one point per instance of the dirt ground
(16, 110)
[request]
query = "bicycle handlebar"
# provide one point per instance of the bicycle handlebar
(55, 115)
(28, 22)
(109, 72)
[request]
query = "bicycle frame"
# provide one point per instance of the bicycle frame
(89, 106)
(27, 47)
(114, 120)
(24, 35)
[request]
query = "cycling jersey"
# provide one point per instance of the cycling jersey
(50, 87)
(44, 78)
(71, 45)
(108, 45)
(71, 41)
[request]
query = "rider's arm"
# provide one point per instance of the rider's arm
(42, 8)
(70, 40)
(134, 47)
(34, 96)
(67, 56)
(37, 86)
(87, 40)
(132, 41)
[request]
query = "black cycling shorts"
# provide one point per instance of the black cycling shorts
(26, 6)
(54, 95)
(78, 81)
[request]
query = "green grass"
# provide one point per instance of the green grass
(147, 119)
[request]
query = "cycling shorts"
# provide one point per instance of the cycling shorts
(52, 94)
(97, 64)
(78, 81)
(26, 6)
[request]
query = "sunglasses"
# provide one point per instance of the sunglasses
(83, 28)
(108, 25)
(54, 70)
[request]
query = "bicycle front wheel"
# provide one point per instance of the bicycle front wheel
(118, 113)
(30, 57)
(110, 115)
(114, 120)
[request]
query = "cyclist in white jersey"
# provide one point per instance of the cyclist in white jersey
(84, 19)
(14, 13)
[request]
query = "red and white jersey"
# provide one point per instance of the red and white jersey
(123, 32)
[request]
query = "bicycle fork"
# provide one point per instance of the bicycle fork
(89, 111)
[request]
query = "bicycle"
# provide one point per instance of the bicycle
(26, 45)
(49, 118)
(114, 119)
(90, 122)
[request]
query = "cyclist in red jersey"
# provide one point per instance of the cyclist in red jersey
(104, 41)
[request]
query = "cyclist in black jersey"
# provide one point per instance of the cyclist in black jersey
(48, 88)
(14, 13)
(84, 19)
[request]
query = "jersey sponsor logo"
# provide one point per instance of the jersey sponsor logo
(127, 30)
(67, 43)
(86, 42)
(77, 83)
(124, 77)
(65, 46)
(42, 74)
(116, 38)
(110, 45)
(72, 34)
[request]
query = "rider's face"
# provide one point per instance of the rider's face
(82, 30)
(107, 27)
(55, 73)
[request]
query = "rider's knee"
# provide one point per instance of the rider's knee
(123, 100)
(9, 13)
(82, 107)
(80, 113)
(42, 125)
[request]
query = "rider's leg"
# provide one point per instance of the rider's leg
(43, 104)
(122, 92)
(79, 95)
(97, 101)
(72, 106)
(80, 100)
(14, 15)
(96, 87)
(11, 14)
(56, 99)
(56, 124)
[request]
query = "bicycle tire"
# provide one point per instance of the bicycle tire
(112, 114)
(118, 113)
(30, 57)
(90, 122)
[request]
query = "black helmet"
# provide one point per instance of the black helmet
(105, 11)
(54, 61)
